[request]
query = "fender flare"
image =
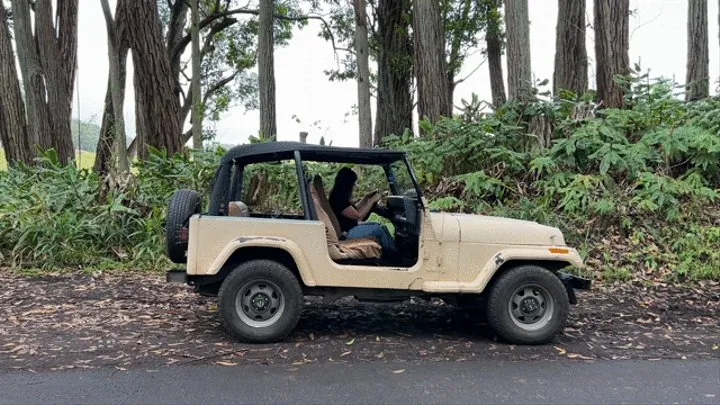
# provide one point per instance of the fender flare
(490, 269)
(264, 242)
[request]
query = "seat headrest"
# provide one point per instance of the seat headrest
(238, 209)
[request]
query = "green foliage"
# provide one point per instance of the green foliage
(54, 216)
(698, 253)
(651, 166)
(635, 189)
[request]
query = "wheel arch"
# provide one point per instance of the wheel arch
(551, 265)
(245, 249)
(551, 258)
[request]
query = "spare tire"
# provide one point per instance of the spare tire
(183, 205)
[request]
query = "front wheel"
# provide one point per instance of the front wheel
(260, 302)
(528, 305)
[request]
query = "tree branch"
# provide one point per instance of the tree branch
(217, 86)
(180, 46)
(471, 73)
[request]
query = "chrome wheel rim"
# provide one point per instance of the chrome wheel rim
(531, 307)
(259, 303)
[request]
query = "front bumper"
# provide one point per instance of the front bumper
(572, 283)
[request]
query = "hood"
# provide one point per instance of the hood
(506, 231)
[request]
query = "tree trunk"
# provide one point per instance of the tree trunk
(117, 86)
(394, 77)
(363, 78)
(517, 25)
(175, 34)
(103, 150)
(158, 107)
(455, 60)
(571, 60)
(106, 142)
(612, 44)
(698, 59)
(494, 53)
(430, 64)
(13, 125)
(58, 43)
(39, 131)
(266, 70)
(195, 86)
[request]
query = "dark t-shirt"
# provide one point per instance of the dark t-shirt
(338, 205)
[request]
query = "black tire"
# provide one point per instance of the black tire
(183, 205)
(252, 273)
(525, 284)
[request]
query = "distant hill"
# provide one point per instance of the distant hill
(89, 135)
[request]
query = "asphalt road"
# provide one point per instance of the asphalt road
(613, 382)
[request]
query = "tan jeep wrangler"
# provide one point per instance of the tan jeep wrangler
(261, 264)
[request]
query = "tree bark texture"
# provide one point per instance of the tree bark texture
(612, 44)
(157, 106)
(58, 43)
(430, 63)
(175, 34)
(117, 87)
(697, 77)
(266, 70)
(107, 141)
(363, 78)
(571, 60)
(13, 124)
(39, 131)
(393, 114)
(494, 45)
(517, 26)
(195, 87)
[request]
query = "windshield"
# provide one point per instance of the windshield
(401, 179)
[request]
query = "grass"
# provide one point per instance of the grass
(85, 158)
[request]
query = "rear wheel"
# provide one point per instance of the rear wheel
(183, 205)
(260, 301)
(528, 305)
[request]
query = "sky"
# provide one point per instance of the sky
(658, 42)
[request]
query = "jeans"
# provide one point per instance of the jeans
(378, 231)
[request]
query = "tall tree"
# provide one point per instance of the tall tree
(394, 74)
(159, 112)
(698, 59)
(362, 50)
(195, 84)
(266, 69)
(463, 21)
(13, 126)
(430, 63)
(48, 84)
(117, 86)
(612, 46)
(571, 60)
(517, 25)
(494, 43)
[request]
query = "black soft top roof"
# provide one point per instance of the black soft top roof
(274, 151)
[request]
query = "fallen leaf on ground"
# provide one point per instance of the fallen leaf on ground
(350, 342)
(398, 371)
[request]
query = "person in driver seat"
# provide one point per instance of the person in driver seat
(352, 216)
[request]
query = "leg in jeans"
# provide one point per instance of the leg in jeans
(378, 231)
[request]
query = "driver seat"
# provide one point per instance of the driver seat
(344, 251)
